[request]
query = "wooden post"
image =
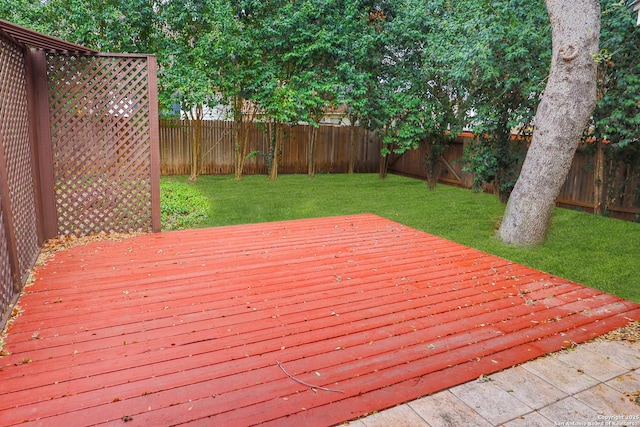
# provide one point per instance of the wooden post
(43, 140)
(154, 140)
(599, 205)
(32, 104)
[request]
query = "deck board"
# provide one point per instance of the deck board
(189, 326)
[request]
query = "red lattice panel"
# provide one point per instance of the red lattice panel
(14, 128)
(99, 112)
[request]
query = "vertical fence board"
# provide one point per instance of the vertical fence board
(218, 150)
(43, 142)
(8, 291)
(153, 142)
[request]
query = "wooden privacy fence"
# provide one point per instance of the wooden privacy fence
(412, 163)
(580, 190)
(218, 149)
(78, 147)
(595, 184)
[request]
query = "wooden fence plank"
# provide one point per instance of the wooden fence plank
(217, 149)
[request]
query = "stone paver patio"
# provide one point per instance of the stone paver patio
(585, 386)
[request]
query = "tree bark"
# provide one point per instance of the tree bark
(196, 141)
(240, 142)
(312, 151)
(384, 159)
(276, 137)
(599, 204)
(352, 147)
(561, 118)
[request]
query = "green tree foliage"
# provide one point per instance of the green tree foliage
(108, 25)
(289, 85)
(616, 119)
(23, 12)
(184, 58)
(419, 101)
(418, 71)
(233, 59)
(506, 48)
(358, 62)
(617, 114)
(306, 58)
(302, 44)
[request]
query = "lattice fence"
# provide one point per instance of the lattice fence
(19, 161)
(7, 289)
(100, 137)
(83, 159)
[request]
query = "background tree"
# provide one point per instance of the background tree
(24, 12)
(424, 104)
(616, 118)
(296, 81)
(314, 36)
(500, 54)
(131, 26)
(358, 63)
(233, 54)
(278, 88)
(564, 111)
(184, 58)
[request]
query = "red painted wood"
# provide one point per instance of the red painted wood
(187, 326)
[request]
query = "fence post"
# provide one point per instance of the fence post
(44, 159)
(599, 181)
(154, 141)
(32, 103)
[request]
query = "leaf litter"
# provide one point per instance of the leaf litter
(50, 248)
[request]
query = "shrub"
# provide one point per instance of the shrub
(181, 205)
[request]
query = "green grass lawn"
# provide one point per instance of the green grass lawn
(599, 252)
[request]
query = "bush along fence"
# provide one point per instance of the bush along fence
(595, 183)
(78, 148)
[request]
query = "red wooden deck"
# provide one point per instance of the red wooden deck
(196, 326)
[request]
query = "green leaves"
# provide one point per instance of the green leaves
(109, 25)
(616, 119)
(181, 205)
(416, 70)
(499, 58)
(617, 113)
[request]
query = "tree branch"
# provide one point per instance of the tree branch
(307, 384)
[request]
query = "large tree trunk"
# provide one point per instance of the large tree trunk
(560, 121)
